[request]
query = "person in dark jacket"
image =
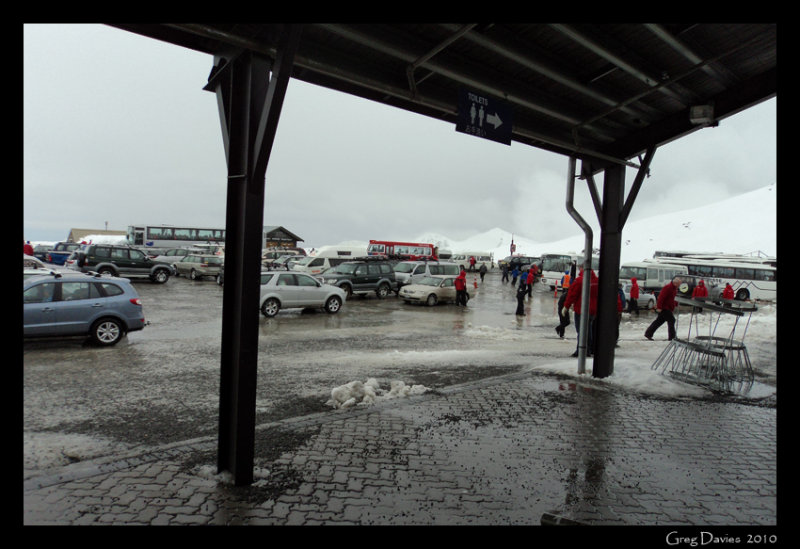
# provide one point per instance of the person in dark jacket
(620, 308)
(563, 321)
(521, 291)
(664, 306)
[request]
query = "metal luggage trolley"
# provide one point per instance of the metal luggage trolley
(719, 363)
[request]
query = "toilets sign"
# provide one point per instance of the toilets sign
(483, 116)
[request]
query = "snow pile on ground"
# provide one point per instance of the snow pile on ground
(365, 393)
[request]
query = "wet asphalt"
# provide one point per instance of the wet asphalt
(491, 443)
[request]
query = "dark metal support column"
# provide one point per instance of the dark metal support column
(610, 249)
(612, 220)
(250, 103)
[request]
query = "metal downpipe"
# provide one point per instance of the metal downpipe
(587, 266)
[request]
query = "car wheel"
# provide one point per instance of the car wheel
(348, 291)
(651, 304)
(383, 290)
(432, 300)
(742, 294)
(219, 280)
(333, 305)
(193, 274)
(106, 271)
(270, 307)
(160, 276)
(107, 331)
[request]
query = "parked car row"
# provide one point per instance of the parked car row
(92, 293)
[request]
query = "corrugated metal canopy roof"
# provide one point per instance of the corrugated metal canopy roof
(599, 92)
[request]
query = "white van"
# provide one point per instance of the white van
(327, 257)
(462, 258)
(650, 275)
(406, 272)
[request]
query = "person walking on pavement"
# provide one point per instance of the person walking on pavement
(472, 263)
(482, 271)
(530, 278)
(620, 308)
(27, 249)
(514, 275)
(664, 306)
(521, 291)
(633, 302)
(727, 293)
(505, 273)
(700, 291)
(573, 301)
(563, 319)
(460, 284)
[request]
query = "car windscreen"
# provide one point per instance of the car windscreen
(404, 267)
(429, 281)
(344, 268)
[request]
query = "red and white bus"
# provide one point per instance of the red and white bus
(411, 251)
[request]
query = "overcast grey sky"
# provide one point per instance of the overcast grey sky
(118, 130)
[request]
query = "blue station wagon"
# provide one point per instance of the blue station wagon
(101, 307)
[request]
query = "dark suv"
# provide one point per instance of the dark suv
(123, 261)
(363, 275)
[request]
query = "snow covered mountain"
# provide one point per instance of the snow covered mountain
(743, 224)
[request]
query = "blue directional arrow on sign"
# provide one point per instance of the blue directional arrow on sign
(484, 116)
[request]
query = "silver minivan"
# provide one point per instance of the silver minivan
(407, 272)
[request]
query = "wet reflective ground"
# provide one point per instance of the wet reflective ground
(485, 448)
(162, 384)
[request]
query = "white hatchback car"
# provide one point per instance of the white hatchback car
(430, 290)
(291, 290)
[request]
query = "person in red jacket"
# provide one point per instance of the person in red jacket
(460, 284)
(573, 301)
(727, 293)
(633, 302)
(27, 249)
(700, 290)
(530, 279)
(664, 306)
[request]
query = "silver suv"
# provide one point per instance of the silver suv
(76, 304)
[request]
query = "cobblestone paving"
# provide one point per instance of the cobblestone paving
(495, 452)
